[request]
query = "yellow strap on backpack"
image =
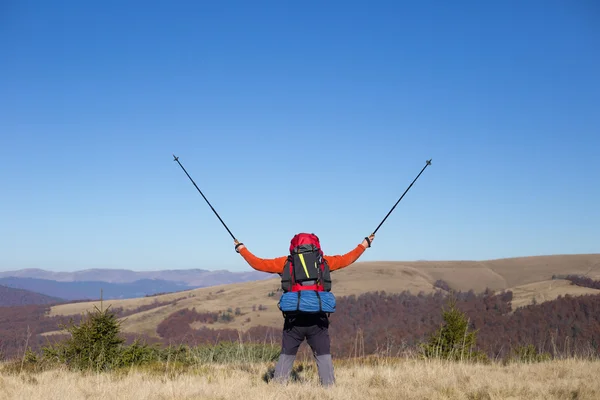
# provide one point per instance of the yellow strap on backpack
(303, 264)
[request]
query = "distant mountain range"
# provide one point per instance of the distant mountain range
(191, 277)
(119, 283)
(19, 297)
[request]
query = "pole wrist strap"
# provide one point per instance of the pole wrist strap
(238, 245)
(368, 241)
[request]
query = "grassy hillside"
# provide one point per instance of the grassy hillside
(539, 292)
(10, 297)
(529, 277)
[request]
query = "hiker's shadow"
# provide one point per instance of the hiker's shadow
(294, 375)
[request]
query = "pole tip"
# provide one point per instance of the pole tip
(175, 158)
(429, 161)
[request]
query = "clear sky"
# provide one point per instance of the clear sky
(296, 116)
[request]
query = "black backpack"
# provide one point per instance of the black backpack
(306, 268)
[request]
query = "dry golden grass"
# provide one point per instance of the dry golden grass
(547, 291)
(402, 379)
(392, 277)
(524, 270)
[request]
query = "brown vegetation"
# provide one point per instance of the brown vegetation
(583, 281)
(20, 297)
(376, 323)
(20, 328)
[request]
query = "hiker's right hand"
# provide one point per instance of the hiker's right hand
(238, 246)
(366, 243)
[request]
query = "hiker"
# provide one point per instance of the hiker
(297, 278)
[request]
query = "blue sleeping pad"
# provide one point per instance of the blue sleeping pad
(307, 301)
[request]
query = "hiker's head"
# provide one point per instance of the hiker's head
(302, 239)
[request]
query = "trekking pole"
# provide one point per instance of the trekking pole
(188, 175)
(427, 163)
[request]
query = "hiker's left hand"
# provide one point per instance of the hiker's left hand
(365, 243)
(240, 247)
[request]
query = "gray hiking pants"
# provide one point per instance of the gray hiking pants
(315, 329)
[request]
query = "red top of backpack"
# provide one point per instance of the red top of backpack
(304, 239)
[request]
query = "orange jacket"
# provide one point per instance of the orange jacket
(275, 265)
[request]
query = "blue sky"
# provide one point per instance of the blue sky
(296, 116)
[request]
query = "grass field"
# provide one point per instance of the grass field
(393, 379)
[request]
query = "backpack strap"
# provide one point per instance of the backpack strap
(287, 275)
(320, 302)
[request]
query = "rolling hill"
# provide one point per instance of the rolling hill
(527, 277)
(10, 297)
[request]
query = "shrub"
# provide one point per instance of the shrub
(138, 353)
(441, 284)
(94, 343)
(226, 317)
(528, 354)
(453, 341)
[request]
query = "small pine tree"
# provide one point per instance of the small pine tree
(94, 344)
(453, 341)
